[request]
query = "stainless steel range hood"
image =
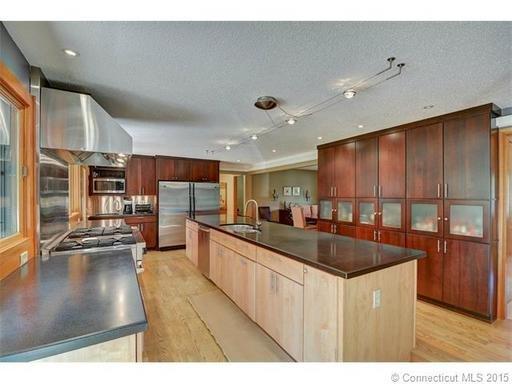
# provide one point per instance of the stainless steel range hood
(75, 128)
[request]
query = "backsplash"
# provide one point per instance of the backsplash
(100, 204)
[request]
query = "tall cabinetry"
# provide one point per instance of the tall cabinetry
(429, 185)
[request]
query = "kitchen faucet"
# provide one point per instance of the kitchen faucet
(258, 222)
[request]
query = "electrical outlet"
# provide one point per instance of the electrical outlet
(23, 258)
(376, 298)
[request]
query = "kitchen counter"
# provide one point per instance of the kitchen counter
(107, 216)
(338, 255)
(69, 302)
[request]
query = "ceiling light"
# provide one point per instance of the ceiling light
(428, 107)
(349, 93)
(266, 103)
(70, 52)
(254, 137)
(360, 126)
(274, 150)
(228, 147)
(291, 121)
(319, 137)
(238, 161)
(121, 155)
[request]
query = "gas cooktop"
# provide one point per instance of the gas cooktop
(82, 233)
(70, 244)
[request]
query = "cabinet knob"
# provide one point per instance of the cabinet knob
(445, 219)
(305, 270)
(439, 219)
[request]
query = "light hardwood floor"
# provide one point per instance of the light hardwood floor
(176, 333)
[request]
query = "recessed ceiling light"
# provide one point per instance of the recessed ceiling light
(360, 126)
(238, 161)
(274, 150)
(349, 93)
(228, 147)
(319, 137)
(291, 121)
(254, 137)
(70, 52)
(428, 106)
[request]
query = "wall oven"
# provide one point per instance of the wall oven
(106, 180)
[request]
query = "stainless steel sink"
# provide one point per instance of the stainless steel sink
(241, 228)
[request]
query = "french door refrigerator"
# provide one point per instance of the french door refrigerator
(176, 201)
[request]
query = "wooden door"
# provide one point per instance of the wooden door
(391, 237)
(425, 217)
(367, 167)
(430, 268)
(325, 172)
(132, 175)
(391, 215)
(320, 315)
(367, 213)
(244, 284)
(364, 233)
(324, 226)
(346, 230)
(467, 158)
(279, 310)
(171, 169)
(148, 231)
(216, 256)
(392, 165)
(466, 276)
(466, 220)
(147, 176)
(425, 162)
(344, 171)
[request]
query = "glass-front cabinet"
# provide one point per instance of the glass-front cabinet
(325, 209)
(345, 211)
(425, 217)
(466, 219)
(366, 213)
(392, 214)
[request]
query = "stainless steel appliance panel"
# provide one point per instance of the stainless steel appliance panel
(206, 198)
(174, 205)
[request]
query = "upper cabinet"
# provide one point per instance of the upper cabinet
(467, 157)
(140, 176)
(367, 167)
(172, 169)
(204, 170)
(345, 170)
(425, 162)
(392, 165)
(326, 172)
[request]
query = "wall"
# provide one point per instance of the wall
(230, 189)
(13, 58)
(264, 183)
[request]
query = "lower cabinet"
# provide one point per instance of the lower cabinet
(192, 245)
(324, 226)
(381, 236)
(147, 226)
(466, 282)
(364, 233)
(320, 315)
(280, 309)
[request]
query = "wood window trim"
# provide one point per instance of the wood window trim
(25, 239)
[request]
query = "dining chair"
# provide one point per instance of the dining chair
(299, 220)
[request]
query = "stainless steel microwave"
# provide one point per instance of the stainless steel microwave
(108, 180)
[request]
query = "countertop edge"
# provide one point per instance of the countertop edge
(322, 267)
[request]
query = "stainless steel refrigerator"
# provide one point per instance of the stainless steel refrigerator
(177, 200)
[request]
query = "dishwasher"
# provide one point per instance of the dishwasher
(203, 257)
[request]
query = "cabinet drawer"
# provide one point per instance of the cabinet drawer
(280, 264)
(239, 246)
(139, 220)
(192, 225)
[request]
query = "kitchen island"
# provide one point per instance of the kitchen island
(81, 307)
(322, 297)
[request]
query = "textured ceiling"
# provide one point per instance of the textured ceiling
(180, 88)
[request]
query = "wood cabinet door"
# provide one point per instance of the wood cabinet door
(466, 220)
(392, 165)
(204, 171)
(345, 210)
(467, 158)
(430, 268)
(213, 172)
(147, 176)
(391, 237)
(367, 213)
(364, 233)
(425, 162)
(346, 230)
(391, 215)
(132, 175)
(425, 217)
(344, 170)
(320, 315)
(189, 242)
(244, 284)
(466, 276)
(215, 263)
(279, 310)
(169, 169)
(324, 226)
(192, 245)
(367, 167)
(148, 231)
(325, 172)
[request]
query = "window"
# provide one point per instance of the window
(9, 169)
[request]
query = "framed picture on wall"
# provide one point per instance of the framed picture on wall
(296, 191)
(287, 191)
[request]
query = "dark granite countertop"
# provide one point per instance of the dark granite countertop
(106, 216)
(69, 302)
(340, 255)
